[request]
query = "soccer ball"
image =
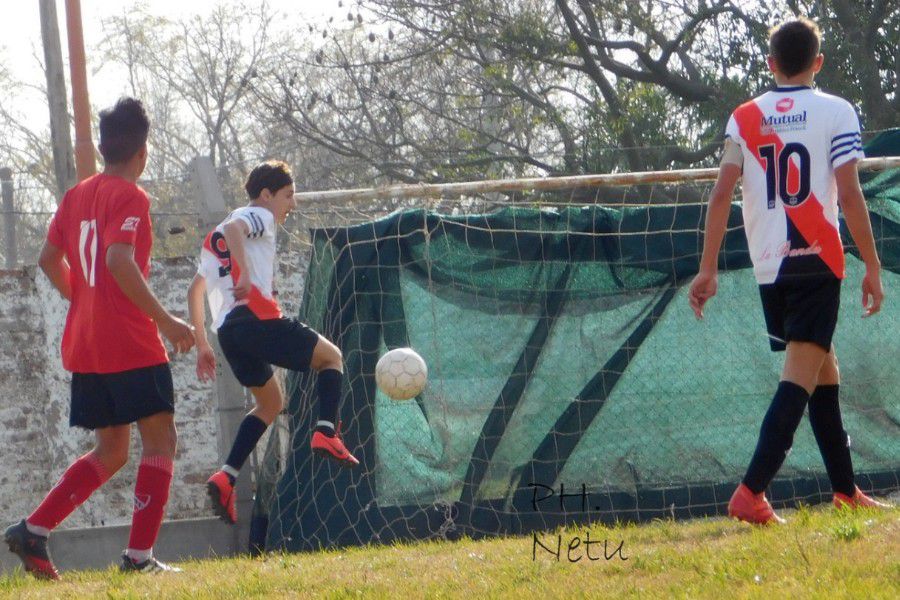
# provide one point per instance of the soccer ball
(401, 374)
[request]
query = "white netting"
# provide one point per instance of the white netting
(561, 352)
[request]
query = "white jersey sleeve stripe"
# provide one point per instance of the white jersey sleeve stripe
(837, 147)
(856, 148)
(259, 229)
(843, 135)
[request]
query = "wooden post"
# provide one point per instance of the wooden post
(9, 218)
(85, 165)
(231, 397)
(452, 190)
(60, 136)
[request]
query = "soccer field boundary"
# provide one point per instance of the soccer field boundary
(98, 547)
(821, 554)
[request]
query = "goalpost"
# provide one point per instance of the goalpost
(568, 379)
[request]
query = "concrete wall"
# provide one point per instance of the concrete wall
(36, 441)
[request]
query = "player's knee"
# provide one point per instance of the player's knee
(270, 407)
(112, 459)
(173, 441)
(165, 442)
(834, 365)
(329, 356)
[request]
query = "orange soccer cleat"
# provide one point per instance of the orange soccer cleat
(221, 492)
(333, 447)
(858, 500)
(752, 508)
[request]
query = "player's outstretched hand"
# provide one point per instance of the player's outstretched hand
(703, 287)
(242, 287)
(872, 293)
(206, 363)
(179, 334)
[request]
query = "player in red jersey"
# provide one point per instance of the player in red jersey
(97, 254)
(795, 149)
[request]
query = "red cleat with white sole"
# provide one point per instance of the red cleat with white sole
(752, 508)
(858, 500)
(332, 447)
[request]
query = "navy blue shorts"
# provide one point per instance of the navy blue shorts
(801, 309)
(252, 345)
(104, 399)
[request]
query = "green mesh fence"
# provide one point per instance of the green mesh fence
(562, 356)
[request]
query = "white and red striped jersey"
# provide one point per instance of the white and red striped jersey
(792, 139)
(221, 274)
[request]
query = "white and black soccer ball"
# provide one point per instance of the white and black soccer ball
(401, 374)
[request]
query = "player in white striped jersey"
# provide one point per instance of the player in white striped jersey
(795, 149)
(237, 264)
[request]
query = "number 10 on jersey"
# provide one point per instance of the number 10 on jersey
(777, 173)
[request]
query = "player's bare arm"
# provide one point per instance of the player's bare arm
(705, 284)
(121, 265)
(54, 265)
(856, 215)
(206, 358)
(235, 232)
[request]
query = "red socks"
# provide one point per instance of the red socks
(75, 486)
(151, 492)
(85, 475)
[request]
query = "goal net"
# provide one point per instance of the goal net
(568, 379)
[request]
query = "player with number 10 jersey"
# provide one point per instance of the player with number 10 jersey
(791, 139)
(795, 149)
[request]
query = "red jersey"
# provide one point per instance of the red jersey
(105, 332)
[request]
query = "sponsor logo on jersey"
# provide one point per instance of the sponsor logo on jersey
(130, 223)
(784, 105)
(771, 123)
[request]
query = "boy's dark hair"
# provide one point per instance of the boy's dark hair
(123, 130)
(271, 175)
(795, 45)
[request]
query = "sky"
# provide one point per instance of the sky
(21, 48)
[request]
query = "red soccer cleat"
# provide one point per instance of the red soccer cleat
(32, 549)
(333, 447)
(858, 500)
(221, 492)
(752, 508)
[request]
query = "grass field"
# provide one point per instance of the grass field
(821, 553)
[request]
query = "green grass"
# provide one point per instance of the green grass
(821, 553)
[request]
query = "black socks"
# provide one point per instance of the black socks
(329, 389)
(776, 435)
(252, 428)
(834, 444)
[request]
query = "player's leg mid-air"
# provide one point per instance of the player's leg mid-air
(326, 441)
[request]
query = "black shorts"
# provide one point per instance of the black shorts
(801, 310)
(251, 345)
(103, 399)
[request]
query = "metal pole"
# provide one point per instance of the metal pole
(85, 165)
(9, 217)
(231, 399)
